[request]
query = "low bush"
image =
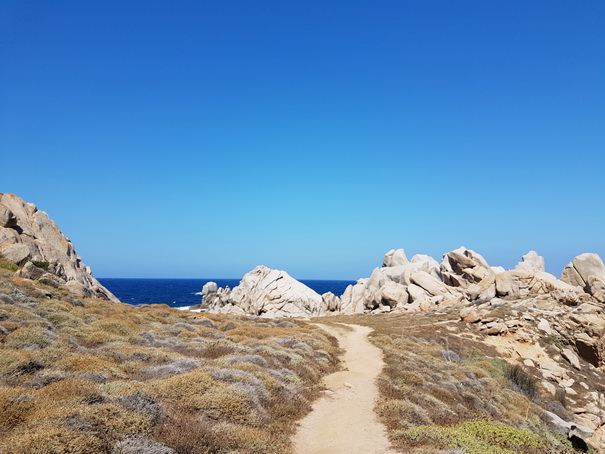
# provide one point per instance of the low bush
(88, 363)
(48, 282)
(43, 265)
(143, 403)
(115, 421)
(27, 338)
(15, 406)
(180, 366)
(14, 361)
(139, 444)
(521, 380)
(73, 390)
(8, 265)
(474, 437)
(51, 438)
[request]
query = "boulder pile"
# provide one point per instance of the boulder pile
(419, 284)
(264, 292)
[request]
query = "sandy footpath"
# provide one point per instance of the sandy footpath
(343, 420)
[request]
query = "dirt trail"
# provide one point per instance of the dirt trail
(343, 420)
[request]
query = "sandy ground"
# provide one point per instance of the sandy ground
(343, 420)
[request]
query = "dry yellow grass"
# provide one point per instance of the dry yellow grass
(82, 375)
(440, 391)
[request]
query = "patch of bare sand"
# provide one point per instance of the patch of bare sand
(343, 420)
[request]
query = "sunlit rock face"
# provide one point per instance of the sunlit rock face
(419, 284)
(268, 293)
(30, 239)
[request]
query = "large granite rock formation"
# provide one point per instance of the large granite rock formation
(30, 239)
(419, 284)
(267, 293)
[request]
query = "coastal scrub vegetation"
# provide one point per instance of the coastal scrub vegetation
(82, 375)
(7, 264)
(441, 392)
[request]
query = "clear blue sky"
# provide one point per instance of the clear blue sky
(201, 138)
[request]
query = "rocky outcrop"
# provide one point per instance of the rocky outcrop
(30, 239)
(267, 293)
(419, 284)
(588, 272)
(463, 267)
(395, 257)
(560, 343)
(531, 263)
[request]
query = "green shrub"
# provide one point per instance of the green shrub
(7, 264)
(521, 380)
(474, 437)
(48, 282)
(43, 265)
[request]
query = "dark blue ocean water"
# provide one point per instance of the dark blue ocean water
(187, 292)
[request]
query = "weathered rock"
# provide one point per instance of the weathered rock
(7, 218)
(417, 294)
(496, 328)
(590, 347)
(589, 265)
(330, 303)
(267, 293)
(17, 253)
(531, 263)
(520, 284)
(385, 308)
(395, 257)
(469, 315)
(596, 287)
(352, 300)
(513, 283)
(426, 263)
(462, 267)
(583, 267)
(571, 276)
(513, 323)
(28, 235)
(209, 288)
(399, 274)
(570, 429)
(570, 356)
(429, 283)
(484, 290)
(497, 302)
(402, 274)
(554, 283)
(393, 295)
(544, 326)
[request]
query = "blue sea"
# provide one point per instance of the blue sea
(187, 292)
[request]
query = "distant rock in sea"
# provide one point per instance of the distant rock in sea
(31, 240)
